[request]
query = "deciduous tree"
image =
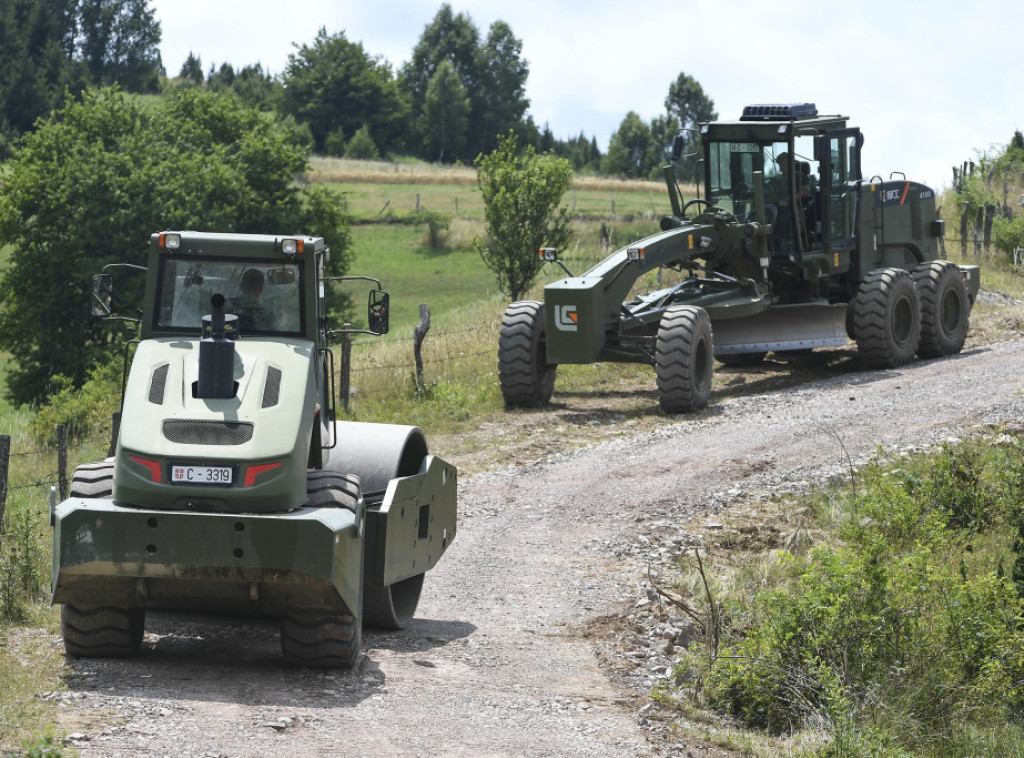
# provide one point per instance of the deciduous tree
(521, 195)
(90, 184)
(446, 112)
(335, 84)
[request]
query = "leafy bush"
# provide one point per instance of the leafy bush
(361, 146)
(903, 632)
(84, 410)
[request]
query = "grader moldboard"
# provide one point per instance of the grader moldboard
(233, 488)
(789, 250)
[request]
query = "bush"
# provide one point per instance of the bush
(361, 146)
(904, 632)
(84, 410)
(334, 144)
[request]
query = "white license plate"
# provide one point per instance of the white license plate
(188, 474)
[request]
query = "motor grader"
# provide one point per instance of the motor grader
(233, 487)
(789, 249)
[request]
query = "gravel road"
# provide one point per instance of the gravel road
(514, 651)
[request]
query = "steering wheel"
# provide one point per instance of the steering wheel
(695, 201)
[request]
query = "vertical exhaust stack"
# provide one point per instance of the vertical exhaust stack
(216, 354)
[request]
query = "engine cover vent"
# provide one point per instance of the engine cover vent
(157, 384)
(272, 388)
(207, 432)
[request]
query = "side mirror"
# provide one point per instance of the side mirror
(101, 304)
(678, 144)
(377, 311)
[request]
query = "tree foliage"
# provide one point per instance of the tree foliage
(335, 84)
(631, 153)
(521, 195)
(96, 178)
(638, 150)
(446, 110)
(48, 47)
(493, 75)
(687, 106)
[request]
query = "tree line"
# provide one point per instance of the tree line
(458, 94)
(49, 47)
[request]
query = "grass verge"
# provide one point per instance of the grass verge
(885, 617)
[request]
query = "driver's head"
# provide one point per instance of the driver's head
(252, 283)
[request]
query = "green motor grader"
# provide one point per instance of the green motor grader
(789, 249)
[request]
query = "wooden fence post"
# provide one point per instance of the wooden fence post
(419, 334)
(990, 215)
(62, 461)
(5, 458)
(115, 430)
(979, 222)
(963, 232)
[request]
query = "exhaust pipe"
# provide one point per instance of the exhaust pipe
(216, 355)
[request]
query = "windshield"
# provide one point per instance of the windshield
(264, 296)
(732, 174)
(790, 183)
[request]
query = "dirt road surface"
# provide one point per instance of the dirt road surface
(511, 653)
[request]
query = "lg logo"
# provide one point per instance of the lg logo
(566, 318)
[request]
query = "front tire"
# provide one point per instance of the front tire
(684, 359)
(887, 318)
(945, 309)
(102, 630)
(320, 640)
(526, 377)
(325, 638)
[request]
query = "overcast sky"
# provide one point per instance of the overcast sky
(930, 83)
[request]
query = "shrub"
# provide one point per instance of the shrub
(904, 631)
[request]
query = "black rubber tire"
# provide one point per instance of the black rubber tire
(684, 359)
(320, 640)
(741, 360)
(93, 480)
(329, 488)
(945, 308)
(102, 630)
(527, 379)
(887, 318)
(394, 606)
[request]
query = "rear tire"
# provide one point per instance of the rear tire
(526, 377)
(320, 640)
(329, 488)
(887, 318)
(945, 309)
(102, 630)
(394, 606)
(684, 359)
(93, 480)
